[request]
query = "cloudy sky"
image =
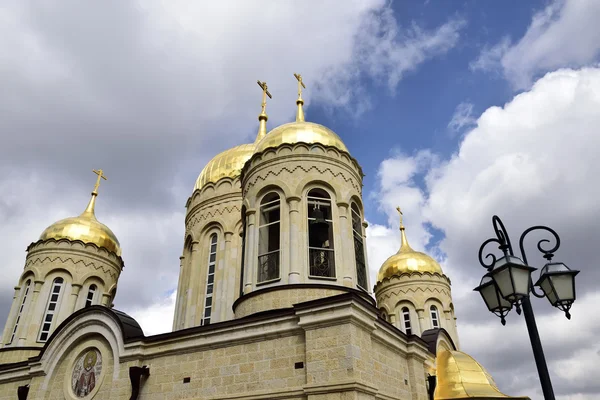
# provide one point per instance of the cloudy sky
(456, 111)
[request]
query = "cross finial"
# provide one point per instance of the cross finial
(300, 85)
(400, 212)
(101, 175)
(300, 102)
(263, 86)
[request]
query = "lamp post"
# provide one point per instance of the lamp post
(508, 284)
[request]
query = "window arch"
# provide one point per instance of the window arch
(406, 321)
(23, 301)
(320, 235)
(383, 314)
(51, 308)
(91, 295)
(359, 249)
(269, 238)
(435, 317)
(210, 280)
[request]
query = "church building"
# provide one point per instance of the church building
(273, 302)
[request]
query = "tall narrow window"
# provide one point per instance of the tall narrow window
(320, 235)
(406, 320)
(90, 296)
(435, 318)
(359, 250)
(269, 238)
(24, 299)
(210, 280)
(51, 308)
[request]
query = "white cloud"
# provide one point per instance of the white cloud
(150, 91)
(564, 34)
(462, 117)
(533, 161)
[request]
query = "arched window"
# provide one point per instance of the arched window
(23, 300)
(383, 314)
(210, 280)
(435, 317)
(359, 250)
(90, 296)
(269, 233)
(406, 320)
(320, 235)
(51, 308)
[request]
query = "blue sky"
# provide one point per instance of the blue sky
(152, 99)
(416, 114)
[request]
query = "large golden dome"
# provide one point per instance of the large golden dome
(227, 164)
(459, 376)
(301, 131)
(407, 260)
(85, 228)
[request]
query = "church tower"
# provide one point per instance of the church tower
(76, 263)
(413, 293)
(304, 234)
(273, 223)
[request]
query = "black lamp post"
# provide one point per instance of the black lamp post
(508, 283)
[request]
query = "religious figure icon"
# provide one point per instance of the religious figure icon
(87, 369)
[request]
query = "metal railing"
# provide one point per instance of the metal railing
(268, 266)
(321, 263)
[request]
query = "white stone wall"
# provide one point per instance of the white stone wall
(292, 171)
(79, 265)
(335, 348)
(214, 209)
(418, 292)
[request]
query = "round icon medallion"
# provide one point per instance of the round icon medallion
(86, 372)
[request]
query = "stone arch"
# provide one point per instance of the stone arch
(309, 183)
(29, 273)
(90, 276)
(356, 199)
(75, 331)
(58, 271)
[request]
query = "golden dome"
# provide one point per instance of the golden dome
(227, 164)
(459, 376)
(301, 131)
(85, 228)
(407, 260)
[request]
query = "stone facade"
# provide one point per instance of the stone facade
(214, 209)
(418, 292)
(79, 265)
(291, 171)
(331, 348)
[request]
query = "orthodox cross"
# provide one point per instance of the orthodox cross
(263, 86)
(300, 85)
(101, 175)
(400, 212)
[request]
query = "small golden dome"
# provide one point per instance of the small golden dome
(227, 164)
(459, 376)
(407, 260)
(301, 131)
(85, 228)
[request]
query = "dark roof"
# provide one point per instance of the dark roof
(430, 336)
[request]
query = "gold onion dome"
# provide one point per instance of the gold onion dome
(301, 131)
(227, 164)
(459, 376)
(85, 228)
(407, 260)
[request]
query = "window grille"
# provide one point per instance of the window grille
(25, 293)
(51, 308)
(320, 235)
(269, 238)
(210, 280)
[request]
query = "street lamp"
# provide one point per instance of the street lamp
(508, 283)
